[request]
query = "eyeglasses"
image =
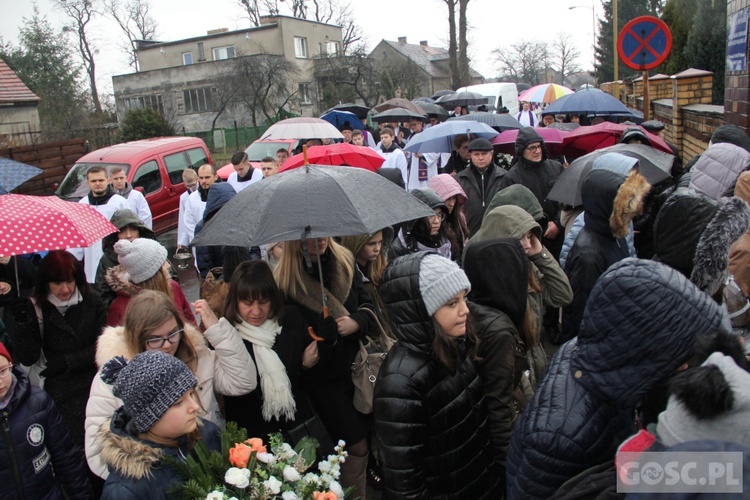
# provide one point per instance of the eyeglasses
(440, 216)
(5, 371)
(533, 149)
(158, 342)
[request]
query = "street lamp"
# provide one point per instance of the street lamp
(593, 31)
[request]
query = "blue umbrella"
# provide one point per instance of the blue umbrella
(588, 102)
(14, 173)
(439, 138)
(340, 118)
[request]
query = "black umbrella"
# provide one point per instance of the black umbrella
(319, 201)
(440, 93)
(653, 164)
(432, 109)
(360, 111)
(398, 115)
(461, 99)
(498, 122)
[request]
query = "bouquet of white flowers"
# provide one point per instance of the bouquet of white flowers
(249, 469)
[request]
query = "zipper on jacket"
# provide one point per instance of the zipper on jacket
(483, 194)
(12, 456)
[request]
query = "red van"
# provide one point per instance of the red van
(153, 166)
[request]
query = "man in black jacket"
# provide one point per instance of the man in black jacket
(481, 181)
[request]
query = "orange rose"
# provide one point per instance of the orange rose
(239, 456)
(256, 444)
(324, 495)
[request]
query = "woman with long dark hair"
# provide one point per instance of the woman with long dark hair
(429, 412)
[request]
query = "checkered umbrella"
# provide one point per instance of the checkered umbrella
(14, 173)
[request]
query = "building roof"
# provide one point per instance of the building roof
(427, 58)
(12, 89)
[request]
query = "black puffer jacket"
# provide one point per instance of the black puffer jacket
(480, 188)
(609, 202)
(433, 429)
(585, 405)
(209, 257)
(538, 177)
(498, 306)
(34, 440)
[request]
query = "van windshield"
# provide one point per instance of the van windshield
(74, 186)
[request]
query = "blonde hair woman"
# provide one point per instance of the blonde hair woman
(329, 383)
(153, 323)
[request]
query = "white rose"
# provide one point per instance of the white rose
(272, 485)
(311, 478)
(336, 488)
(215, 495)
(291, 474)
(324, 466)
(266, 458)
(237, 477)
(286, 452)
(289, 495)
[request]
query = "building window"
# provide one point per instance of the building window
(197, 100)
(223, 53)
(145, 101)
(304, 93)
(187, 58)
(332, 48)
(201, 53)
(300, 47)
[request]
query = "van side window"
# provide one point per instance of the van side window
(148, 177)
(197, 158)
(176, 164)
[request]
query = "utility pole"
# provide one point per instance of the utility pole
(615, 33)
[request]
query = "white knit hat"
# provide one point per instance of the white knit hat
(440, 280)
(142, 258)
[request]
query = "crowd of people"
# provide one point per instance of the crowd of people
(526, 348)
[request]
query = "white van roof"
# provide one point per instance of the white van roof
(489, 87)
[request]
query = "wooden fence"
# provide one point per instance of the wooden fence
(54, 158)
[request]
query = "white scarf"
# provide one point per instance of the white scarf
(63, 305)
(274, 381)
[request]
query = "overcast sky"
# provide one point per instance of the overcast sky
(493, 23)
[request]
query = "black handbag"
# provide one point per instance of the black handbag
(311, 426)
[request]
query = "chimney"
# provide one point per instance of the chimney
(217, 31)
(423, 43)
(402, 39)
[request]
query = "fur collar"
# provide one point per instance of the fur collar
(629, 200)
(711, 259)
(127, 455)
(112, 343)
(118, 280)
(335, 297)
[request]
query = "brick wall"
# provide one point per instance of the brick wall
(54, 158)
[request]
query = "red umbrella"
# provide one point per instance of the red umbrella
(553, 139)
(584, 140)
(36, 223)
(337, 154)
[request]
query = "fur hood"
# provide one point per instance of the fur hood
(611, 200)
(126, 454)
(118, 280)
(112, 343)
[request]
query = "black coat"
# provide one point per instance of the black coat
(432, 425)
(34, 441)
(585, 406)
(479, 189)
(289, 346)
(329, 383)
(69, 344)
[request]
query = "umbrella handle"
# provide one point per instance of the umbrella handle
(304, 154)
(310, 330)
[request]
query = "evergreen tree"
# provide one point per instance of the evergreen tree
(605, 49)
(706, 46)
(679, 15)
(45, 64)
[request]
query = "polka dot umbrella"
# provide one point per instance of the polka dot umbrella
(36, 223)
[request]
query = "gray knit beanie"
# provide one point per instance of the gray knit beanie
(440, 280)
(148, 385)
(678, 423)
(142, 258)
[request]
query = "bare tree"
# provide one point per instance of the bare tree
(402, 79)
(349, 77)
(524, 61)
(262, 84)
(464, 71)
(135, 21)
(453, 44)
(351, 32)
(80, 13)
(564, 55)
